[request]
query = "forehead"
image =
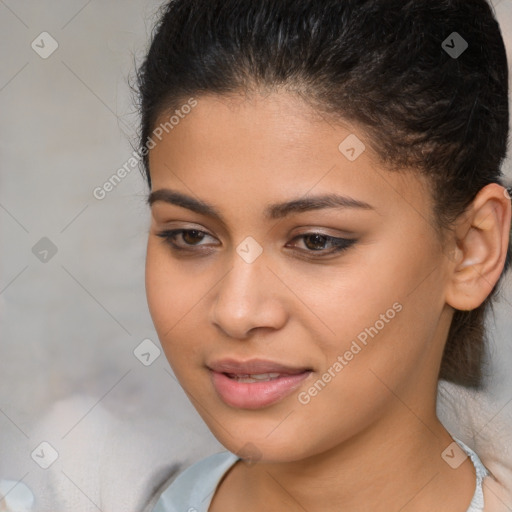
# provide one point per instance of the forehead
(273, 146)
(255, 127)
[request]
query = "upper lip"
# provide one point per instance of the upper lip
(253, 367)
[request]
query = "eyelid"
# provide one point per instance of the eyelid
(304, 230)
(173, 232)
(338, 244)
(308, 231)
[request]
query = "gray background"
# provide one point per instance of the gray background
(69, 325)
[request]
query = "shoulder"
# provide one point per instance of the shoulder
(193, 489)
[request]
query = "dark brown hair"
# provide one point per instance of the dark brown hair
(388, 65)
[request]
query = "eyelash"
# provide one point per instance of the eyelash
(340, 244)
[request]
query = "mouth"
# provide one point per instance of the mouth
(254, 367)
(255, 383)
(256, 377)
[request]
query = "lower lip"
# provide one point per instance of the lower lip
(253, 395)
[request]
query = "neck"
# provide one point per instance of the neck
(393, 465)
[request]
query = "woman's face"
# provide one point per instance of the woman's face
(359, 327)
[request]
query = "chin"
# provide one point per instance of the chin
(254, 449)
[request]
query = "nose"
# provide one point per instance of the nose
(248, 298)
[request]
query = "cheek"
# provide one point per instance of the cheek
(166, 292)
(174, 296)
(167, 287)
(156, 287)
(339, 302)
(381, 313)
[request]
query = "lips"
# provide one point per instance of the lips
(255, 383)
(235, 368)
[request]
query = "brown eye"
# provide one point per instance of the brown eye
(320, 243)
(189, 237)
(315, 241)
(192, 236)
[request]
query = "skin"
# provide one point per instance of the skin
(370, 440)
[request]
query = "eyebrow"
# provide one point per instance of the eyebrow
(271, 212)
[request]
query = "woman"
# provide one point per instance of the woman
(329, 223)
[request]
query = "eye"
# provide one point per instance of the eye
(314, 242)
(191, 237)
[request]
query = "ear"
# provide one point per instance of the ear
(482, 239)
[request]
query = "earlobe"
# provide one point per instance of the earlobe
(483, 239)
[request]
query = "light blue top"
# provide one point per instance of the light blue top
(193, 489)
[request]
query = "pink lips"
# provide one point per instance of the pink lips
(254, 395)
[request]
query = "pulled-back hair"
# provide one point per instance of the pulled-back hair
(383, 64)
